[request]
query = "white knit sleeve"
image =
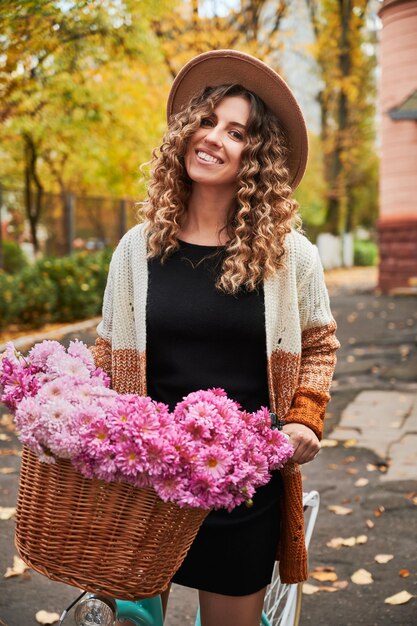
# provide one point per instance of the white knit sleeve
(314, 305)
(104, 329)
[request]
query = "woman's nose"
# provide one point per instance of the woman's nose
(213, 135)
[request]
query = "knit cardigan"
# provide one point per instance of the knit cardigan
(300, 345)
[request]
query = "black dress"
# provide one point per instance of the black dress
(199, 338)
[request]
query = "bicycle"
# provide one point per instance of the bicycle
(282, 605)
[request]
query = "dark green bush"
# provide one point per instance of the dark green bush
(365, 253)
(54, 290)
(37, 298)
(14, 259)
(79, 281)
(9, 300)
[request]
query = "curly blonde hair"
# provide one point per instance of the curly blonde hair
(264, 209)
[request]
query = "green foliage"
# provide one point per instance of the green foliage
(365, 253)
(79, 283)
(36, 297)
(14, 259)
(9, 300)
(54, 290)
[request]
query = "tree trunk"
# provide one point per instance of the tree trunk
(33, 200)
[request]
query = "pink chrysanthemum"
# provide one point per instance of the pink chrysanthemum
(207, 453)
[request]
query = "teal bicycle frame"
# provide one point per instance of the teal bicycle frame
(148, 612)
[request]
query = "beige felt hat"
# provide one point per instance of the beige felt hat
(221, 67)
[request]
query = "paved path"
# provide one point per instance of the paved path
(367, 465)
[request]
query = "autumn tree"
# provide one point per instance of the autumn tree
(195, 27)
(345, 56)
(51, 80)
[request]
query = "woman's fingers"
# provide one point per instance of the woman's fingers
(304, 441)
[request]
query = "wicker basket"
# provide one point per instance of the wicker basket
(111, 537)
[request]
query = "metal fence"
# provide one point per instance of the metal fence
(66, 221)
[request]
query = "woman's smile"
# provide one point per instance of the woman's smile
(207, 157)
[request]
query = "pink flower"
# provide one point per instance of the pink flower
(40, 353)
(208, 453)
(79, 350)
(215, 461)
(66, 365)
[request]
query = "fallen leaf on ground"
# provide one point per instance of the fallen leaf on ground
(371, 467)
(7, 512)
(348, 542)
(379, 511)
(337, 542)
(349, 459)
(362, 577)
(352, 471)
(361, 539)
(404, 573)
(361, 482)
(7, 422)
(19, 567)
(350, 443)
(324, 576)
(4, 437)
(370, 523)
(329, 443)
(10, 452)
(43, 617)
(341, 584)
(7, 470)
(383, 558)
(332, 466)
(310, 589)
(339, 510)
(399, 598)
(328, 589)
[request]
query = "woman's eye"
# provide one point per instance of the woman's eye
(206, 121)
(237, 135)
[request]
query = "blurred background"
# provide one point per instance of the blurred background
(83, 88)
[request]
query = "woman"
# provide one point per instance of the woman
(217, 289)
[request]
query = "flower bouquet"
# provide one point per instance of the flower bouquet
(155, 473)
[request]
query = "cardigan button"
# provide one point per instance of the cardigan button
(249, 503)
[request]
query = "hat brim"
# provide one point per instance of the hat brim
(221, 67)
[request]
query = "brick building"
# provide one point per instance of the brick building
(397, 224)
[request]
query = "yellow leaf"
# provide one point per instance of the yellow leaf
(324, 576)
(310, 589)
(329, 443)
(7, 470)
(361, 482)
(329, 589)
(362, 577)
(349, 542)
(336, 542)
(350, 443)
(383, 558)
(339, 510)
(19, 567)
(7, 512)
(361, 539)
(43, 617)
(399, 598)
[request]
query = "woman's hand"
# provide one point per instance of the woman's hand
(305, 443)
